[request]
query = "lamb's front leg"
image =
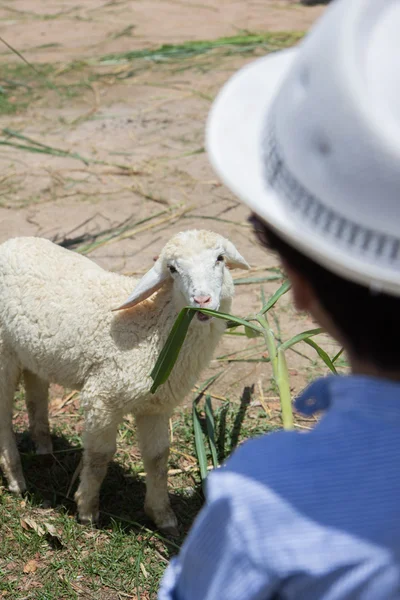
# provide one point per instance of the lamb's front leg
(99, 448)
(36, 397)
(154, 446)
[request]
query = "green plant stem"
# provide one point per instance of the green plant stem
(280, 372)
(284, 390)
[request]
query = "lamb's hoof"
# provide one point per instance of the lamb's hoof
(17, 488)
(89, 520)
(165, 520)
(44, 447)
(171, 530)
(88, 512)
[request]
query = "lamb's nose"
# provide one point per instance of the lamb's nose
(202, 301)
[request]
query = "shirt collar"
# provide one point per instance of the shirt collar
(378, 397)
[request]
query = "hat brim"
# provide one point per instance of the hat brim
(233, 140)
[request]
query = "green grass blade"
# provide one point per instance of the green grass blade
(210, 422)
(285, 287)
(222, 416)
(322, 354)
(235, 333)
(199, 445)
(338, 355)
(20, 136)
(243, 41)
(170, 352)
(22, 57)
(284, 390)
(205, 385)
(301, 337)
(38, 147)
(230, 318)
(248, 280)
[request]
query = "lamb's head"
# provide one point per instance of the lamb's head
(198, 263)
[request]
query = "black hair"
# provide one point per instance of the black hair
(368, 321)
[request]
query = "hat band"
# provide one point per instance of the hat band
(307, 208)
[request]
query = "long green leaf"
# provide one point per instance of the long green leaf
(243, 41)
(322, 354)
(229, 318)
(171, 349)
(38, 147)
(285, 287)
(236, 333)
(301, 337)
(199, 444)
(211, 430)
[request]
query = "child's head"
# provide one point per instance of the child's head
(366, 323)
(309, 139)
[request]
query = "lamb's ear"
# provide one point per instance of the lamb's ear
(150, 283)
(233, 258)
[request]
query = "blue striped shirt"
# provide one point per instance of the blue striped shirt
(304, 516)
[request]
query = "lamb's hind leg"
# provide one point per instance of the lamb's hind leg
(37, 404)
(154, 447)
(10, 461)
(99, 443)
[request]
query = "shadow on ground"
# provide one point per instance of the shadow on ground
(52, 480)
(122, 494)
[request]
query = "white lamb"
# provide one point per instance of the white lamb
(57, 325)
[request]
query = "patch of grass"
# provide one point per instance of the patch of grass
(46, 554)
(21, 85)
(82, 564)
(242, 43)
(24, 83)
(7, 107)
(21, 74)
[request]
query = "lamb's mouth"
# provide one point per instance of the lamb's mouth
(202, 317)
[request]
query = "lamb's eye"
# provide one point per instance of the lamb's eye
(171, 269)
(220, 258)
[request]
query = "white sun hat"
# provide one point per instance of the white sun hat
(309, 139)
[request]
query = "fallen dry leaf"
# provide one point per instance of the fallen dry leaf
(31, 566)
(51, 529)
(28, 523)
(24, 525)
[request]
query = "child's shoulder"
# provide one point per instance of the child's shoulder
(343, 475)
(272, 453)
(273, 460)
